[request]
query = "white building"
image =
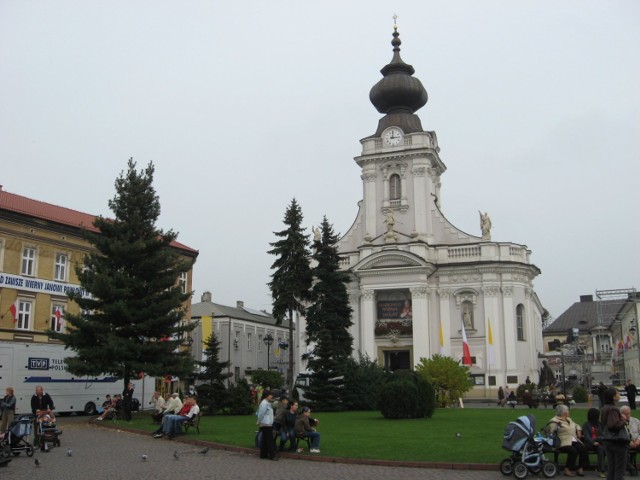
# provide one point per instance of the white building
(416, 276)
(241, 332)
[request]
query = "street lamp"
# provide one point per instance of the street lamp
(268, 341)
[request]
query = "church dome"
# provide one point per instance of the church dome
(398, 91)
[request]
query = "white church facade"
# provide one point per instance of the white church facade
(416, 277)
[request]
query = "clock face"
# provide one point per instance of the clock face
(393, 136)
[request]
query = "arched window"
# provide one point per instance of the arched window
(520, 322)
(395, 191)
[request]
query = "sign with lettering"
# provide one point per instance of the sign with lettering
(39, 285)
(38, 363)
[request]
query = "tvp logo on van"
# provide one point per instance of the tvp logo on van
(38, 363)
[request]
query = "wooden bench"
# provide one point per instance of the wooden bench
(304, 439)
(194, 422)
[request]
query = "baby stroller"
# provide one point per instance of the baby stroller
(16, 438)
(46, 432)
(527, 450)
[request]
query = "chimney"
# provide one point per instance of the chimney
(586, 298)
(206, 297)
(239, 304)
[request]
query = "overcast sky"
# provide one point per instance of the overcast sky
(244, 105)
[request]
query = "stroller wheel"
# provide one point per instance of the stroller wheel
(30, 451)
(506, 467)
(520, 470)
(6, 451)
(549, 469)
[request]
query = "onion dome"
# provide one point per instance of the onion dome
(398, 94)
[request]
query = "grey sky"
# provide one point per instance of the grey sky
(243, 105)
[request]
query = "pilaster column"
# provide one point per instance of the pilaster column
(368, 322)
(421, 334)
(421, 216)
(511, 339)
(370, 200)
(354, 301)
(492, 310)
(445, 312)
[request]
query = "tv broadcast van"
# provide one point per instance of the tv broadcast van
(24, 366)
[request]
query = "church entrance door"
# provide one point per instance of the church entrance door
(397, 360)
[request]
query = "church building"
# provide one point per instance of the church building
(416, 278)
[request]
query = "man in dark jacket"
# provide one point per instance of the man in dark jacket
(632, 391)
(41, 401)
(127, 401)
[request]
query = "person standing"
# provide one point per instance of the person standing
(501, 398)
(41, 402)
(613, 419)
(7, 409)
(127, 401)
(601, 390)
(632, 391)
(265, 422)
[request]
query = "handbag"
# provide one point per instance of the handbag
(615, 436)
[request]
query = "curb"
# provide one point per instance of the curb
(315, 458)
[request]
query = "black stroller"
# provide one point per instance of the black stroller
(16, 438)
(527, 450)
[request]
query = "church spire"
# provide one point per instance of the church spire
(398, 94)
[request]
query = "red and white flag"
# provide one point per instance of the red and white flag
(466, 353)
(58, 316)
(14, 312)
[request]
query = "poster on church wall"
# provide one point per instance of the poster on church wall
(394, 318)
(394, 310)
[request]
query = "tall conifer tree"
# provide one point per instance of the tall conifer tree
(328, 322)
(132, 319)
(291, 279)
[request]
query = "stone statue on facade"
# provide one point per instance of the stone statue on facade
(485, 225)
(390, 236)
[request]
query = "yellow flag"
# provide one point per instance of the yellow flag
(441, 339)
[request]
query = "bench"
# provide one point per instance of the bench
(194, 422)
(304, 439)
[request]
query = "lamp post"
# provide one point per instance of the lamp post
(268, 341)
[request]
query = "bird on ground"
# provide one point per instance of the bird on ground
(458, 435)
(204, 450)
(69, 452)
(37, 462)
(144, 457)
(175, 455)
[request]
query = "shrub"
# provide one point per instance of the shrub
(406, 395)
(580, 394)
(363, 379)
(239, 399)
(266, 378)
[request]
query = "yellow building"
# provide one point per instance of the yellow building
(40, 246)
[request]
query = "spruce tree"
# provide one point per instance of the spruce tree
(132, 319)
(212, 393)
(291, 279)
(328, 322)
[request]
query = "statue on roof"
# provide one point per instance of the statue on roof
(485, 225)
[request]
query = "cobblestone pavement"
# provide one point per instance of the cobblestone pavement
(98, 453)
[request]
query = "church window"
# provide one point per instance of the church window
(520, 322)
(395, 190)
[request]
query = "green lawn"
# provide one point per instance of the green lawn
(368, 435)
